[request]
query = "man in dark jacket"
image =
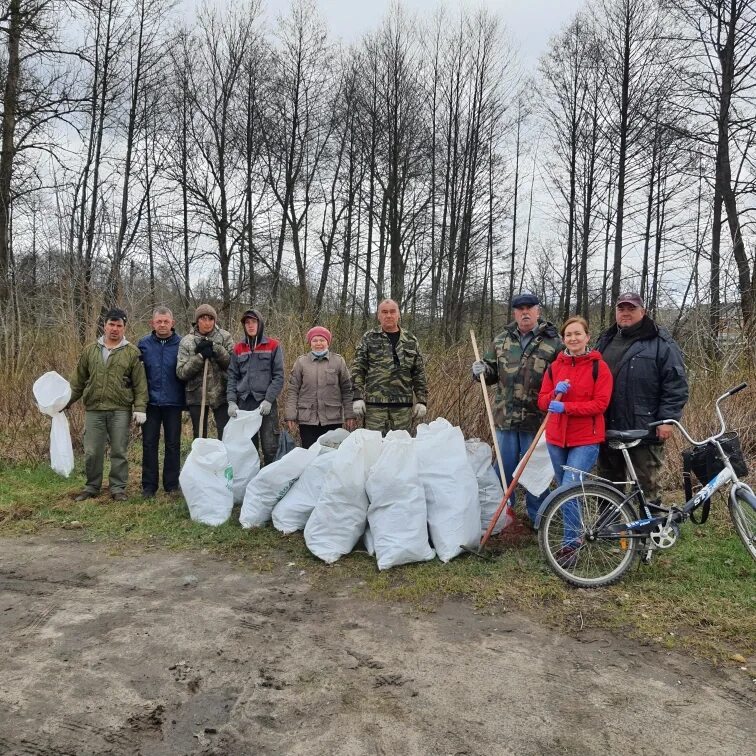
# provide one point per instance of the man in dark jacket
(255, 379)
(516, 363)
(166, 403)
(649, 385)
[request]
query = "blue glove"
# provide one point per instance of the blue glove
(562, 387)
(556, 407)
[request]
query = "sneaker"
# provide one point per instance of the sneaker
(119, 496)
(567, 557)
(84, 495)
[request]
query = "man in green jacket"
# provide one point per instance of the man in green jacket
(388, 375)
(110, 380)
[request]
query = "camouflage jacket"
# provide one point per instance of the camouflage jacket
(376, 377)
(519, 374)
(190, 366)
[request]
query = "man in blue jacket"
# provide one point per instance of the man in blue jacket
(255, 379)
(166, 403)
(649, 385)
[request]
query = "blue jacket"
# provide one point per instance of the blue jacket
(159, 358)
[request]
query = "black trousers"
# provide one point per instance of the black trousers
(219, 413)
(267, 438)
(311, 433)
(170, 420)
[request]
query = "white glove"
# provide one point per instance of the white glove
(233, 408)
(140, 418)
(358, 407)
(479, 368)
(265, 407)
(419, 411)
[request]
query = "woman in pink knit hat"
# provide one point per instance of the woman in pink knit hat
(319, 398)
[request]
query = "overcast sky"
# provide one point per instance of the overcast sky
(530, 22)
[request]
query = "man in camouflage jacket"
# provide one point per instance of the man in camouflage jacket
(388, 375)
(206, 343)
(516, 362)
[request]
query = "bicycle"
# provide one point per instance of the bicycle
(590, 532)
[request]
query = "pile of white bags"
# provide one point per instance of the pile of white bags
(490, 492)
(270, 485)
(293, 511)
(52, 393)
(397, 514)
(206, 481)
(451, 489)
(242, 453)
(339, 517)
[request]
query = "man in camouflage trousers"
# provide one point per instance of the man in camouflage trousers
(517, 361)
(388, 375)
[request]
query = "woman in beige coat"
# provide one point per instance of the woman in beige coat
(319, 398)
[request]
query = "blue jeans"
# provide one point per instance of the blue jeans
(582, 458)
(513, 445)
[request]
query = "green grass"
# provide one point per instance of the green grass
(700, 596)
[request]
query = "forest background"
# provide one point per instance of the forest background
(159, 154)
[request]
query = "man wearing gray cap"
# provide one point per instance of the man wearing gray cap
(517, 361)
(649, 385)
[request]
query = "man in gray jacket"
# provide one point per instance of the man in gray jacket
(255, 379)
(649, 385)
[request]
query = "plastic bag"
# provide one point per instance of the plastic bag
(339, 517)
(270, 485)
(52, 393)
(206, 481)
(451, 489)
(293, 511)
(242, 453)
(397, 513)
(490, 492)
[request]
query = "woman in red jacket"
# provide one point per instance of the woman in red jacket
(575, 425)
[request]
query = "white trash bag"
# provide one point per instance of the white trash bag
(242, 453)
(270, 485)
(339, 517)
(451, 489)
(397, 513)
(206, 481)
(490, 492)
(52, 393)
(293, 511)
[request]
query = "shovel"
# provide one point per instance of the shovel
(204, 398)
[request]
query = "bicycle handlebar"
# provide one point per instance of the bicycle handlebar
(723, 425)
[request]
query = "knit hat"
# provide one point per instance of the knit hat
(319, 331)
(205, 309)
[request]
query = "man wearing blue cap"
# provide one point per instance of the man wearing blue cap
(517, 362)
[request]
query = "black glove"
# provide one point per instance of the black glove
(205, 348)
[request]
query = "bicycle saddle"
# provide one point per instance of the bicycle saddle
(631, 435)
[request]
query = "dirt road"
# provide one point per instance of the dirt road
(161, 653)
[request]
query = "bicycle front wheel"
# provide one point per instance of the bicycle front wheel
(583, 538)
(743, 513)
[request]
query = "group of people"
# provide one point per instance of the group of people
(153, 382)
(634, 376)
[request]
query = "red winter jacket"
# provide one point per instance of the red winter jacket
(582, 421)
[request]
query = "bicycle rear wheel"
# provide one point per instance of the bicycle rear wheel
(743, 513)
(581, 535)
